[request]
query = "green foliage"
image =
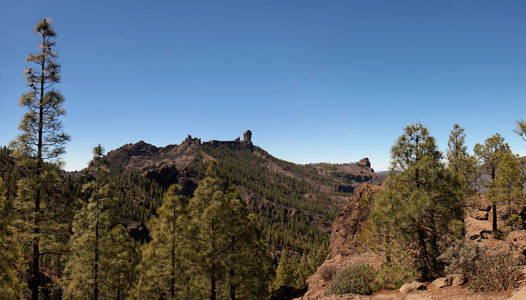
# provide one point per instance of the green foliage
(420, 207)
(485, 269)
(521, 129)
(163, 270)
(285, 272)
(224, 247)
(11, 260)
(308, 264)
(506, 188)
(460, 163)
(42, 140)
(356, 280)
(286, 219)
(102, 256)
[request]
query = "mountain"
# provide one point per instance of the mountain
(296, 204)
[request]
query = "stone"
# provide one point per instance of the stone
(457, 279)
(476, 228)
(413, 286)
(517, 240)
(480, 215)
(441, 282)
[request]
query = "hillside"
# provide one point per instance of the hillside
(296, 203)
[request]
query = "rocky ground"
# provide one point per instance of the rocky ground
(344, 253)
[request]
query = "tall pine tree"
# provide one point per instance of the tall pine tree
(460, 163)
(507, 185)
(102, 258)
(490, 153)
(425, 196)
(163, 272)
(224, 250)
(42, 138)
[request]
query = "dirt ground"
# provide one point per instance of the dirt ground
(446, 293)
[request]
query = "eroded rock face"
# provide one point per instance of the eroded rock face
(344, 252)
(350, 221)
(165, 175)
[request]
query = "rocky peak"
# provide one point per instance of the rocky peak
(365, 162)
(247, 137)
(140, 148)
(189, 141)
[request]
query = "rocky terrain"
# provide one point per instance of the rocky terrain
(344, 252)
(305, 198)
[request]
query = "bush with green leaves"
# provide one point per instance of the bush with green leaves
(356, 280)
(485, 269)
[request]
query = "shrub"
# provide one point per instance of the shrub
(355, 280)
(485, 269)
(495, 271)
(327, 272)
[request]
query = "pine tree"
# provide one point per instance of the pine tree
(162, 272)
(285, 273)
(460, 163)
(42, 138)
(521, 129)
(248, 265)
(208, 231)
(490, 154)
(225, 252)
(507, 185)
(101, 259)
(425, 196)
(11, 261)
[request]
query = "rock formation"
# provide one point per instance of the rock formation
(343, 251)
(247, 137)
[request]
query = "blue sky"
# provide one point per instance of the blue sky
(315, 81)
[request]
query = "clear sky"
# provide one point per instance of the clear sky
(315, 81)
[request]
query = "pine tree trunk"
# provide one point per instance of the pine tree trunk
(494, 223)
(213, 285)
(36, 247)
(232, 271)
(422, 240)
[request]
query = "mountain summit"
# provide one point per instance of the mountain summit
(286, 196)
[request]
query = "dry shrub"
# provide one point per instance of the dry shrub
(485, 269)
(356, 280)
(327, 272)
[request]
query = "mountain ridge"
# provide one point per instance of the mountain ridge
(286, 196)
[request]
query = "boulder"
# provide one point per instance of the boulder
(413, 286)
(441, 282)
(517, 240)
(476, 229)
(450, 280)
(457, 279)
(480, 215)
